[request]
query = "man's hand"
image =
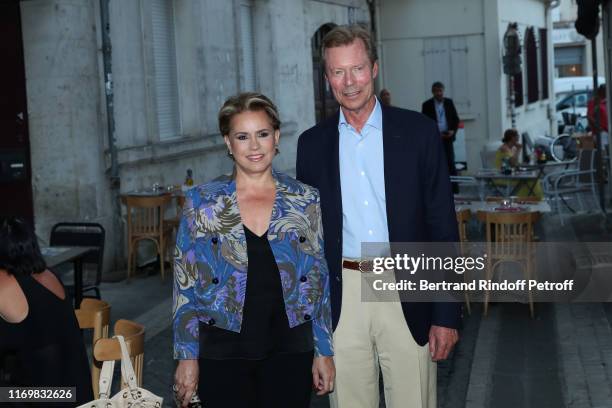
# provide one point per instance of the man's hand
(323, 374)
(441, 342)
(448, 134)
(186, 380)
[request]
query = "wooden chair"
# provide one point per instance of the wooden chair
(463, 217)
(510, 239)
(145, 221)
(94, 314)
(172, 224)
(109, 349)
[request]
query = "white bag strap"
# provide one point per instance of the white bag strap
(106, 379)
(127, 370)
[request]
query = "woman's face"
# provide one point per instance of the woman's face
(252, 140)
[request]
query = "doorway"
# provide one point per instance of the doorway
(15, 173)
(325, 103)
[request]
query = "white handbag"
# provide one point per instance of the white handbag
(130, 397)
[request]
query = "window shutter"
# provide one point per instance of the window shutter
(164, 59)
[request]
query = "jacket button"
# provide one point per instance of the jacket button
(215, 280)
(211, 322)
(339, 279)
(307, 317)
(215, 240)
(302, 239)
(303, 278)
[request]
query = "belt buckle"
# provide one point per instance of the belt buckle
(365, 266)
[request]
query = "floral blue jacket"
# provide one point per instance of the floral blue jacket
(210, 265)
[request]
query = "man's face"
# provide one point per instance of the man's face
(438, 93)
(351, 75)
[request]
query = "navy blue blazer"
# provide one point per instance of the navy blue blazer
(419, 200)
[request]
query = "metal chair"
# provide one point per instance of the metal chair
(94, 314)
(83, 234)
(145, 221)
(560, 185)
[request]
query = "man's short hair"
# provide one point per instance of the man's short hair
(344, 35)
(436, 85)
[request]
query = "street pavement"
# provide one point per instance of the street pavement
(560, 358)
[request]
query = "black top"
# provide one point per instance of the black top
(46, 348)
(265, 328)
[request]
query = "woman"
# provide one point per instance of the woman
(251, 290)
(40, 340)
(508, 155)
(509, 150)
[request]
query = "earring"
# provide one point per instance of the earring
(230, 155)
(276, 149)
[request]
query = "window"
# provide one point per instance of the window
(164, 61)
(544, 62)
(247, 46)
(531, 52)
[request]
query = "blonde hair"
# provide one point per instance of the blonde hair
(347, 34)
(246, 101)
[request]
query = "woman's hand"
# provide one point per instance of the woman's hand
(186, 380)
(323, 374)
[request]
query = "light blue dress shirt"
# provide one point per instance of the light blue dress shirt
(362, 177)
(441, 115)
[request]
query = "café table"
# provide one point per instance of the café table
(480, 208)
(56, 256)
(513, 181)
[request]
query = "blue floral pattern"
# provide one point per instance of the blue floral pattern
(210, 265)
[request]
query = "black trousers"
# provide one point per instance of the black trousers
(279, 381)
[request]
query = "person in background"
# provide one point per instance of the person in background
(508, 155)
(39, 332)
(510, 149)
(251, 286)
(599, 99)
(442, 111)
(385, 97)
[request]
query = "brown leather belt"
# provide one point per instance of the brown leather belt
(361, 266)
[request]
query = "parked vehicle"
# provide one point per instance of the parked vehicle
(571, 96)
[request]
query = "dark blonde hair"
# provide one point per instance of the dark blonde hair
(347, 34)
(509, 134)
(243, 102)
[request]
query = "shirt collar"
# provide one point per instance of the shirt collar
(375, 119)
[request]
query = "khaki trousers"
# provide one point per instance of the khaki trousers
(370, 335)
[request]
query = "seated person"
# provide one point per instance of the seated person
(509, 152)
(39, 333)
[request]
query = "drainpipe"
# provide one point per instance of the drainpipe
(115, 180)
(551, 4)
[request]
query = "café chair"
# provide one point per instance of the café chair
(463, 217)
(172, 224)
(109, 349)
(80, 234)
(145, 221)
(509, 239)
(94, 314)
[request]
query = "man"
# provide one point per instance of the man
(385, 97)
(443, 111)
(382, 177)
